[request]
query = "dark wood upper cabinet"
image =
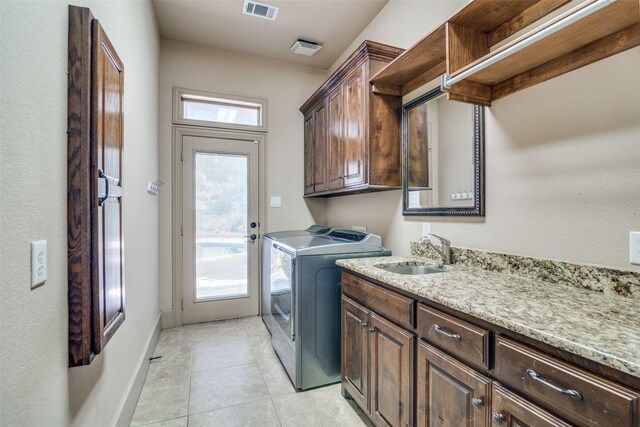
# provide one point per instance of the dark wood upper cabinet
(320, 146)
(361, 146)
(354, 117)
(95, 188)
(336, 139)
(308, 154)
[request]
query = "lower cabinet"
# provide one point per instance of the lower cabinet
(460, 369)
(391, 353)
(509, 409)
(355, 352)
(377, 365)
(450, 393)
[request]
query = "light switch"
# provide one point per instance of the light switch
(634, 247)
(38, 263)
(276, 202)
(426, 229)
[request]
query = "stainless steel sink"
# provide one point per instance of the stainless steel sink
(413, 269)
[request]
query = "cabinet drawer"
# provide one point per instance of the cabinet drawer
(463, 339)
(577, 395)
(509, 409)
(390, 304)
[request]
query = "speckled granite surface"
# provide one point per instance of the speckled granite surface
(590, 324)
(599, 279)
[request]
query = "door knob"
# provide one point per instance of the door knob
(252, 237)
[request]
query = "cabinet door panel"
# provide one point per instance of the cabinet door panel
(320, 134)
(308, 154)
(391, 349)
(107, 135)
(355, 127)
(511, 410)
(355, 351)
(336, 126)
(450, 393)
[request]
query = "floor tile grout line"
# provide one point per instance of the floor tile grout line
(275, 410)
(269, 391)
(161, 421)
(230, 406)
(225, 367)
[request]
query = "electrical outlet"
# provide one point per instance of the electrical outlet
(426, 229)
(634, 247)
(276, 202)
(38, 263)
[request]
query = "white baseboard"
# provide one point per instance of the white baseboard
(130, 399)
(168, 319)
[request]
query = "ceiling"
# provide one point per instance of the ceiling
(221, 24)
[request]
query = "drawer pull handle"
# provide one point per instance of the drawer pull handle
(573, 394)
(477, 403)
(441, 331)
(497, 418)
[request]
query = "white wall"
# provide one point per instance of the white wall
(285, 86)
(401, 23)
(38, 389)
(562, 162)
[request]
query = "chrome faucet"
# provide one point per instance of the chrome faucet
(445, 247)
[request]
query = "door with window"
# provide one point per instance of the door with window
(219, 227)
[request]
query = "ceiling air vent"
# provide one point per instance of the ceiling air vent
(260, 10)
(303, 47)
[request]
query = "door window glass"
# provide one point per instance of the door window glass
(221, 196)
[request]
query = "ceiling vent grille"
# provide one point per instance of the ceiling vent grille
(260, 10)
(304, 47)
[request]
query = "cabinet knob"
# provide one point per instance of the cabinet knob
(364, 324)
(478, 403)
(497, 418)
(372, 330)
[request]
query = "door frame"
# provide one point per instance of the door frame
(176, 203)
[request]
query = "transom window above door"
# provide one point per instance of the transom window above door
(193, 107)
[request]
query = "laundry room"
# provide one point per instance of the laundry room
(319, 213)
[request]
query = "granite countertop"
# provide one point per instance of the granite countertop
(602, 328)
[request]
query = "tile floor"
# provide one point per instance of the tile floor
(226, 374)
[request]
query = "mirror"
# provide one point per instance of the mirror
(442, 157)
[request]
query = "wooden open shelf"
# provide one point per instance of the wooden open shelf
(470, 37)
(421, 63)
